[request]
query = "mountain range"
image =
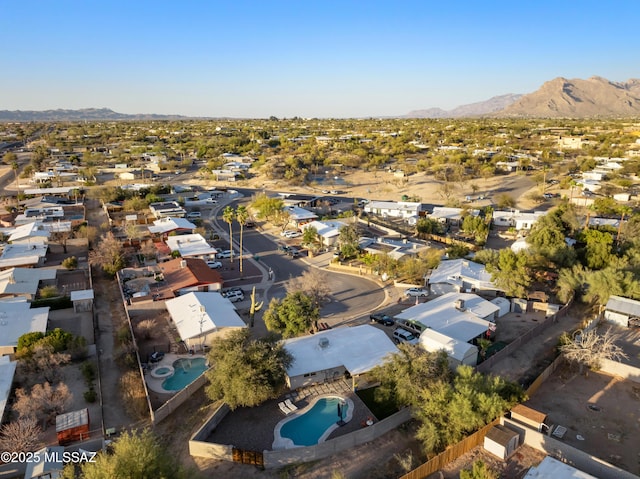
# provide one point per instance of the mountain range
(558, 98)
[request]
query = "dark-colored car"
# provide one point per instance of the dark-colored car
(382, 318)
(294, 253)
(284, 248)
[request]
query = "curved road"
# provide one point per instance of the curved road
(352, 296)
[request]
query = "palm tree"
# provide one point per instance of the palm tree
(242, 215)
(228, 216)
(14, 167)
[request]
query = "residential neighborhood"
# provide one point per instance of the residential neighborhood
(220, 310)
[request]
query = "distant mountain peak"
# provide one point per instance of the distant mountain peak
(480, 108)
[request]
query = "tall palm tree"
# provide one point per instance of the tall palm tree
(228, 215)
(242, 215)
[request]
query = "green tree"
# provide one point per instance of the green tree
(511, 274)
(292, 316)
(246, 372)
(135, 455)
(428, 226)
(597, 250)
(228, 215)
(479, 470)
(310, 238)
(242, 216)
(348, 241)
(266, 207)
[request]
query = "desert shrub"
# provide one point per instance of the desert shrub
(70, 263)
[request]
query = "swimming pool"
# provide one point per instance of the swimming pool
(186, 370)
(313, 424)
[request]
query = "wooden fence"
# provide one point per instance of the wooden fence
(451, 453)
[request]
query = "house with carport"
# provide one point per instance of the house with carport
(191, 246)
(169, 225)
(185, 275)
(335, 354)
(201, 317)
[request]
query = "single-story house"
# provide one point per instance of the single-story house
(328, 231)
(33, 232)
(395, 209)
(460, 275)
(23, 281)
(458, 352)
(18, 318)
(462, 316)
(451, 215)
(186, 275)
(201, 317)
(622, 311)
(23, 254)
(167, 208)
(396, 249)
(331, 354)
(516, 219)
(299, 216)
(550, 467)
(164, 226)
(191, 246)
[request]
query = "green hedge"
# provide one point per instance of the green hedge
(61, 302)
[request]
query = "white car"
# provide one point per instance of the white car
(214, 264)
(288, 233)
(224, 254)
(294, 234)
(234, 296)
(194, 214)
(417, 292)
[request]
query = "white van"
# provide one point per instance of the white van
(403, 336)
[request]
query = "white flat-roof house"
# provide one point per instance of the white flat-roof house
(459, 276)
(191, 246)
(168, 224)
(395, 209)
(18, 318)
(461, 316)
(520, 220)
(200, 317)
(328, 231)
(329, 354)
(451, 215)
(23, 254)
(23, 282)
(458, 352)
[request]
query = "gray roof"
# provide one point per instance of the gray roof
(623, 305)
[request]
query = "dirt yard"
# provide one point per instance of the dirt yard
(601, 414)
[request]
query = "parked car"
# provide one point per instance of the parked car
(231, 289)
(293, 252)
(286, 233)
(416, 292)
(403, 336)
(214, 264)
(295, 234)
(234, 296)
(284, 248)
(249, 224)
(224, 254)
(382, 318)
(194, 214)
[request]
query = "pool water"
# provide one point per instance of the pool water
(307, 429)
(186, 370)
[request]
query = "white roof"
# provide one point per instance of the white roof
(627, 306)
(393, 205)
(296, 213)
(550, 467)
(326, 229)
(441, 315)
(446, 213)
(519, 245)
(164, 225)
(359, 349)
(455, 271)
(80, 295)
(434, 341)
(210, 310)
(17, 318)
(7, 370)
(614, 222)
(24, 280)
(29, 230)
(190, 245)
(61, 190)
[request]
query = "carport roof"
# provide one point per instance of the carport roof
(627, 306)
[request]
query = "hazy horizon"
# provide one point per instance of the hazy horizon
(329, 60)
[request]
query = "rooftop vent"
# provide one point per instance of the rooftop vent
(459, 304)
(323, 343)
(183, 263)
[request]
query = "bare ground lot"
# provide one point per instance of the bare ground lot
(601, 414)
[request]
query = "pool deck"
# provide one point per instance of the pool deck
(155, 384)
(253, 428)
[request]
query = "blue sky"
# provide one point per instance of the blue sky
(303, 58)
